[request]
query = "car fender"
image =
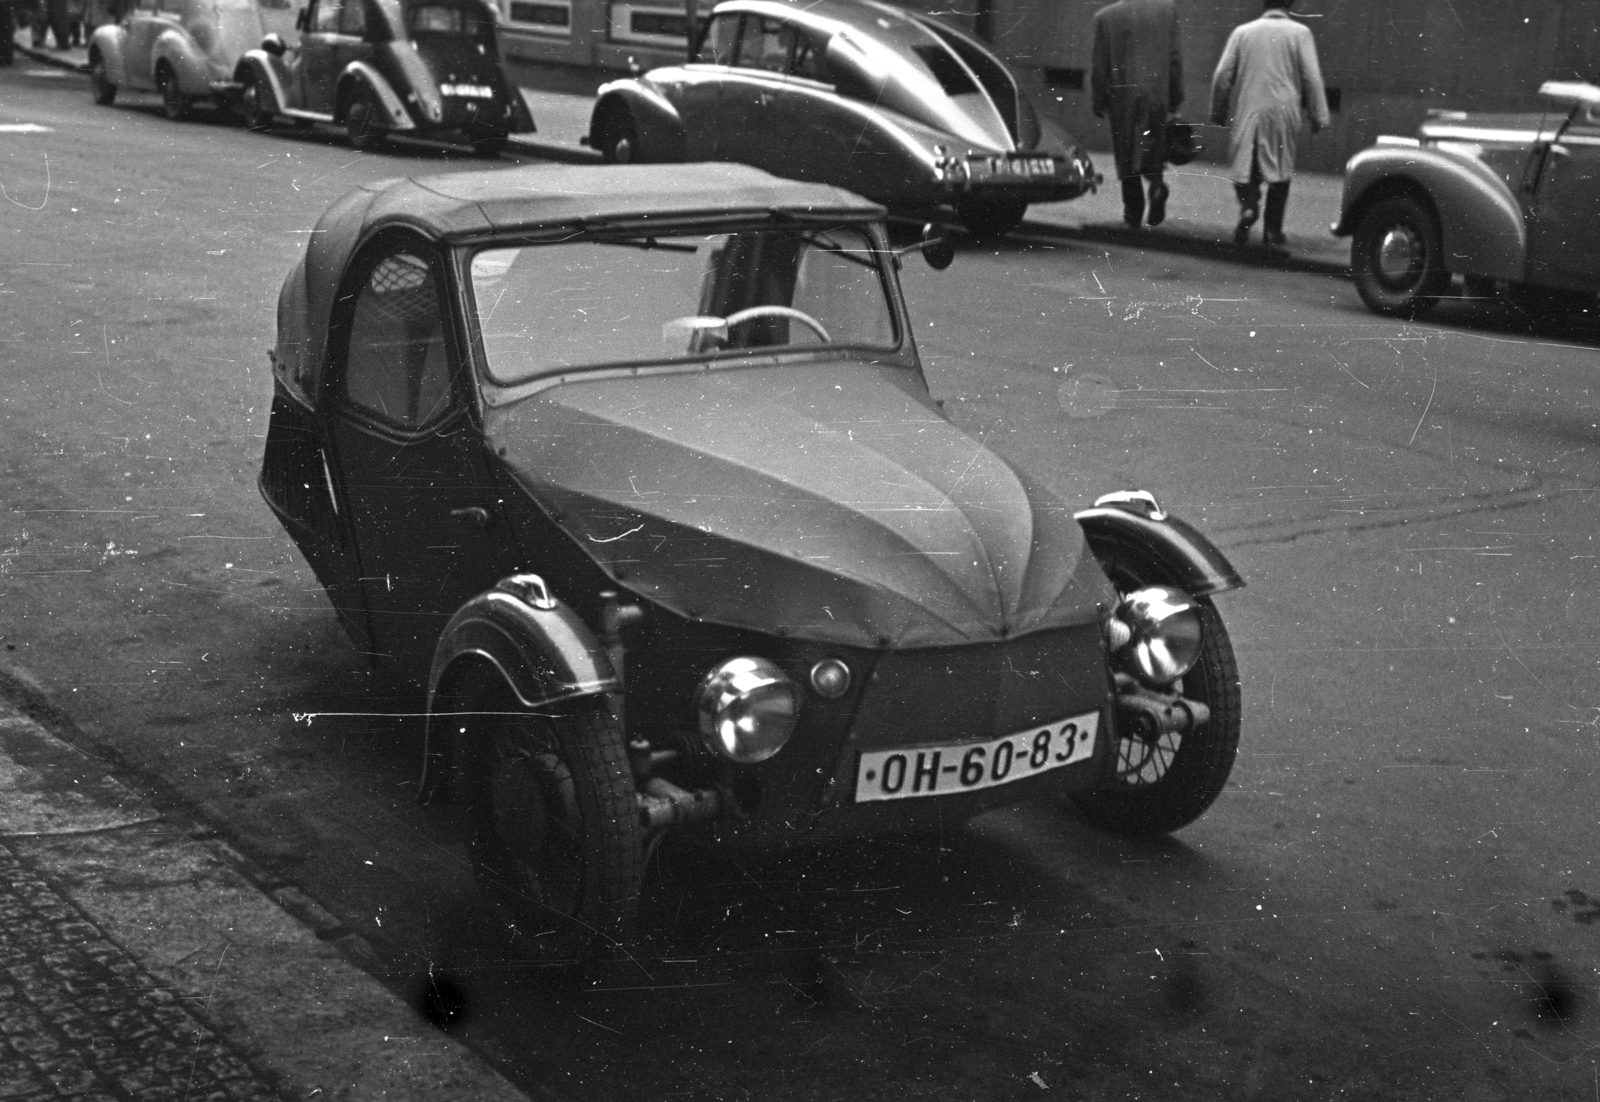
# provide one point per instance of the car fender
(1481, 226)
(106, 42)
(1158, 547)
(271, 76)
(395, 115)
(534, 645)
(192, 67)
(660, 127)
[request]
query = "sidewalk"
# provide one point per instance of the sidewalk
(1201, 214)
(138, 963)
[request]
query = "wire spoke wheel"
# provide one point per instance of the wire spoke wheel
(1159, 783)
(557, 837)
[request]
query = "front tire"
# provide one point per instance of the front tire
(619, 138)
(252, 110)
(100, 85)
(1397, 257)
(360, 121)
(557, 835)
(174, 103)
(1161, 786)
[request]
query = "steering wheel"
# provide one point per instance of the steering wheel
(750, 313)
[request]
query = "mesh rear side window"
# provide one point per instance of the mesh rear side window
(398, 367)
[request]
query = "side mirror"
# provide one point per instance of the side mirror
(938, 251)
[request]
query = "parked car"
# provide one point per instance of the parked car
(188, 50)
(891, 104)
(1509, 199)
(380, 67)
(636, 471)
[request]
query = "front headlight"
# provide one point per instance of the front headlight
(747, 709)
(1159, 629)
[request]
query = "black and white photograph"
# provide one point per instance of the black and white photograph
(799, 550)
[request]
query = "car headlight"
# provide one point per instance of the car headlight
(747, 709)
(1159, 630)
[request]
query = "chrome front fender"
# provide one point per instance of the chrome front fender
(1156, 546)
(518, 635)
(107, 43)
(1481, 224)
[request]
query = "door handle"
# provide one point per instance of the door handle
(475, 515)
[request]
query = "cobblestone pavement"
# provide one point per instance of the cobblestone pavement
(80, 1020)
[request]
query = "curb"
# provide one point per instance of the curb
(1201, 248)
(45, 57)
(161, 891)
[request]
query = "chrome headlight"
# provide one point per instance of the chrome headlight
(1159, 629)
(747, 709)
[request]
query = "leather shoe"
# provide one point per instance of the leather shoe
(1247, 218)
(1158, 204)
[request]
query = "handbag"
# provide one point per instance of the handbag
(1181, 144)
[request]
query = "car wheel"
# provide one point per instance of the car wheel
(174, 103)
(993, 220)
(1397, 258)
(619, 138)
(1157, 786)
(251, 108)
(100, 85)
(557, 841)
(360, 121)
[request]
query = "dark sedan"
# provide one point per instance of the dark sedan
(891, 104)
(635, 469)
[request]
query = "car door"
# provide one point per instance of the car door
(317, 63)
(751, 92)
(696, 89)
(1564, 242)
(352, 44)
(140, 27)
(420, 505)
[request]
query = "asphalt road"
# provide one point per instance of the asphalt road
(1395, 898)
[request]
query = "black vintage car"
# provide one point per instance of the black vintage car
(891, 104)
(422, 68)
(635, 470)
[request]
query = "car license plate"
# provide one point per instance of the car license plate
(1012, 166)
(467, 91)
(970, 766)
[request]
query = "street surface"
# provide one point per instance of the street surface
(1396, 897)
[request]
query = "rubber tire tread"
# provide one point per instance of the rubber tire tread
(103, 91)
(1431, 282)
(593, 749)
(175, 105)
(1194, 780)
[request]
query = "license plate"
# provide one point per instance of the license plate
(973, 766)
(467, 91)
(1012, 166)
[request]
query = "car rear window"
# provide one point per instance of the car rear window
(946, 69)
(443, 19)
(545, 309)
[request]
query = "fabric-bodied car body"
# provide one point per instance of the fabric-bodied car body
(891, 104)
(188, 50)
(1500, 199)
(635, 470)
(423, 68)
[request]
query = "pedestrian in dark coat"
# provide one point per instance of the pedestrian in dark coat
(1137, 79)
(1269, 82)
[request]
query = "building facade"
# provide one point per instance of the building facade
(1386, 62)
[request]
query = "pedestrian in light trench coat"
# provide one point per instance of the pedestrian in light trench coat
(1268, 81)
(1137, 79)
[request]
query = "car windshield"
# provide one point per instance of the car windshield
(543, 309)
